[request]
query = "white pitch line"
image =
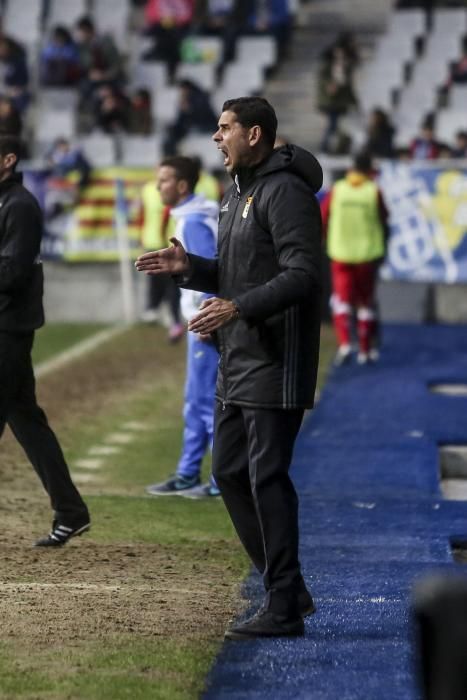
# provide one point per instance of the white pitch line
(136, 425)
(88, 463)
(103, 450)
(119, 438)
(82, 478)
(78, 350)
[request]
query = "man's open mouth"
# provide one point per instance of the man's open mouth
(225, 153)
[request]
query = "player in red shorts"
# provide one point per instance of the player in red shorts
(354, 217)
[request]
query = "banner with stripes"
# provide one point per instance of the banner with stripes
(80, 226)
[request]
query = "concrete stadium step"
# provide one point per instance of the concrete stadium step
(292, 90)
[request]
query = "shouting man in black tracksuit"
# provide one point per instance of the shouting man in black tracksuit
(265, 320)
(21, 312)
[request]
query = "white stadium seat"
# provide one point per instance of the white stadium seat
(257, 50)
(99, 148)
(65, 12)
(203, 146)
(202, 74)
(142, 151)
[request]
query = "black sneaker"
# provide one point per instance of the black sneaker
(60, 534)
(173, 486)
(267, 624)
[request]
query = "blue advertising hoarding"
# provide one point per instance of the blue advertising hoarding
(428, 223)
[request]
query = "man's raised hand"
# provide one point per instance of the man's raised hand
(172, 260)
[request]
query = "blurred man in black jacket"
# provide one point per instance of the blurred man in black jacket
(21, 312)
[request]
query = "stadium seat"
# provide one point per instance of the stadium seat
(449, 121)
(54, 123)
(450, 22)
(409, 22)
(99, 148)
(65, 12)
(140, 151)
(203, 146)
(151, 75)
(25, 26)
(399, 49)
(458, 98)
(243, 78)
(202, 74)
(257, 50)
(111, 17)
(58, 98)
(165, 105)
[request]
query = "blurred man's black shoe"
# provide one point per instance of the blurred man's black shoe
(60, 534)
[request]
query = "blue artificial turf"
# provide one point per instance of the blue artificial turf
(373, 521)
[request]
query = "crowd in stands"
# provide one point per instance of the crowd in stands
(91, 63)
(81, 58)
(337, 97)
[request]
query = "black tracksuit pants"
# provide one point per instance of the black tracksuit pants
(28, 422)
(251, 458)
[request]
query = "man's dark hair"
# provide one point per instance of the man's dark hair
(185, 169)
(85, 24)
(363, 163)
(9, 143)
(254, 111)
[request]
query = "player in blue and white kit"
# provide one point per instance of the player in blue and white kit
(196, 228)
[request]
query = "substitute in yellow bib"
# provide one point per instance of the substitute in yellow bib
(354, 218)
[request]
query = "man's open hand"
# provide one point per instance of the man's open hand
(173, 260)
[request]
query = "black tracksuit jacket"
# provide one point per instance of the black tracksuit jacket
(21, 275)
(269, 253)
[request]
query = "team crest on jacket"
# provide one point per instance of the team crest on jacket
(247, 207)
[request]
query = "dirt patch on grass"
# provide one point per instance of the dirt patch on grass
(87, 590)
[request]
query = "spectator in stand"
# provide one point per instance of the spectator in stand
(227, 18)
(141, 121)
(425, 146)
(10, 118)
(347, 42)
(354, 219)
(60, 59)
(460, 147)
(380, 134)
(194, 114)
(335, 92)
(168, 23)
(99, 58)
(15, 74)
(458, 72)
(64, 158)
(272, 17)
(112, 110)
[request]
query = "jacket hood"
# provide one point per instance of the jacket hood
(296, 160)
(196, 204)
(14, 179)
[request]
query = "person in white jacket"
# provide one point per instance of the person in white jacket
(197, 221)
